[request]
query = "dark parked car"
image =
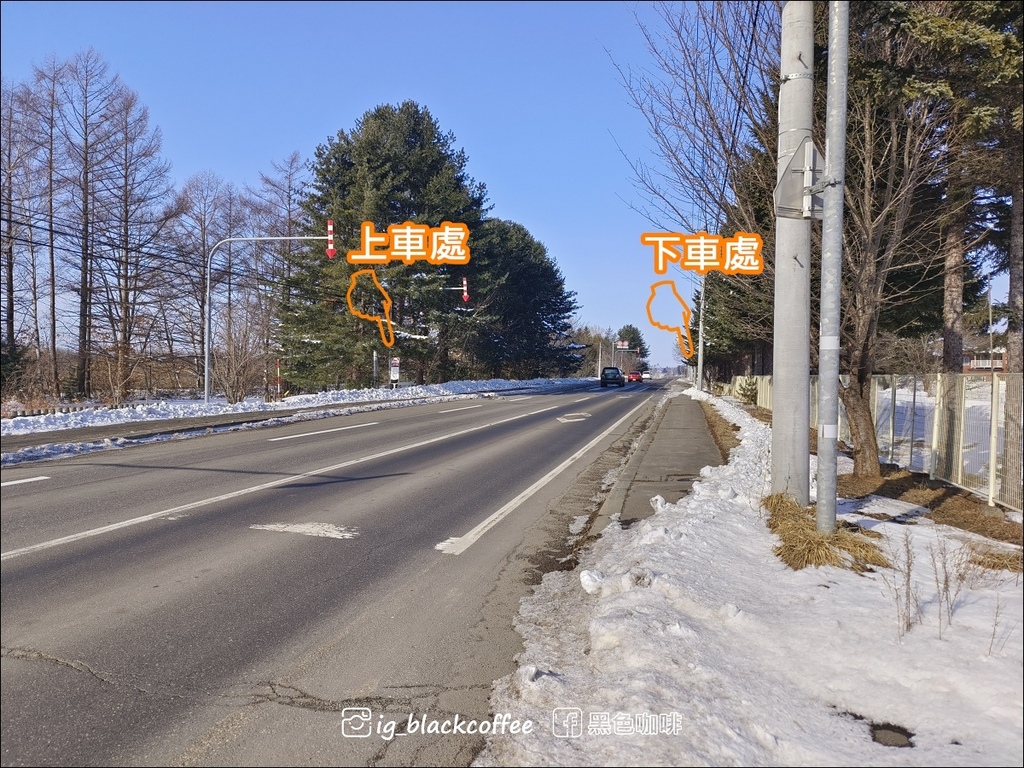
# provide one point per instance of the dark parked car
(612, 375)
(635, 376)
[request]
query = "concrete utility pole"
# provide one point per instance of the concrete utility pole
(832, 263)
(791, 369)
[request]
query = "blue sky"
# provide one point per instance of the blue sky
(529, 89)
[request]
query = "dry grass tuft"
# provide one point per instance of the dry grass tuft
(723, 431)
(946, 504)
(801, 544)
(997, 560)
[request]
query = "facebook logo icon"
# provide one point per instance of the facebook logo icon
(567, 722)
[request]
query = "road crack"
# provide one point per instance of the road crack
(106, 678)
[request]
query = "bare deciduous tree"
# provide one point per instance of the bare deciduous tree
(710, 112)
(706, 106)
(201, 225)
(15, 163)
(89, 95)
(136, 193)
(44, 111)
(276, 211)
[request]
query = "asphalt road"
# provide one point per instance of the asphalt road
(292, 595)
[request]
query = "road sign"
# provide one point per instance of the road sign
(394, 368)
(803, 170)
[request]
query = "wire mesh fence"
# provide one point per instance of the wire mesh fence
(964, 429)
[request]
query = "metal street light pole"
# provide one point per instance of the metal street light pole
(208, 335)
(700, 335)
(832, 265)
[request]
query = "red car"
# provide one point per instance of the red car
(635, 376)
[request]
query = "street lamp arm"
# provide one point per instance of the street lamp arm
(209, 311)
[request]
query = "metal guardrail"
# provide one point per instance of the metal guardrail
(964, 429)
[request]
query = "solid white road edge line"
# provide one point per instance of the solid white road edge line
(463, 408)
(459, 544)
(245, 491)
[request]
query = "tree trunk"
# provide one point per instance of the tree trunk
(948, 463)
(122, 339)
(34, 273)
(51, 235)
(54, 370)
(1015, 300)
(856, 397)
(1011, 472)
(9, 306)
(84, 313)
(953, 297)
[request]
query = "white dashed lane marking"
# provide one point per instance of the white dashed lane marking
(323, 530)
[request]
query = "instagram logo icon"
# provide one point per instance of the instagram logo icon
(356, 722)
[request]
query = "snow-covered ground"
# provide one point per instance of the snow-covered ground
(176, 409)
(683, 640)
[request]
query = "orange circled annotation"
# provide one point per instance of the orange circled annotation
(407, 243)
